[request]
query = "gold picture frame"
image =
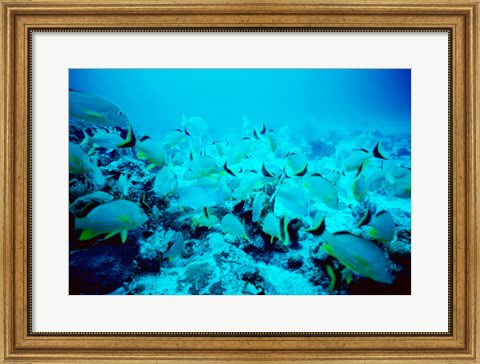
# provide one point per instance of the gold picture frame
(20, 18)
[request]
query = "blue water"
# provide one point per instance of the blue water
(156, 99)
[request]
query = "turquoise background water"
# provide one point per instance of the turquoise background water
(156, 99)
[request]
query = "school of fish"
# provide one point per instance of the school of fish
(211, 180)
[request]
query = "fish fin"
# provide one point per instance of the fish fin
(130, 141)
(144, 202)
(377, 153)
(150, 166)
(123, 235)
(328, 249)
(86, 138)
(228, 170)
(245, 233)
(365, 219)
(265, 172)
(264, 130)
(373, 233)
(142, 155)
(195, 221)
(347, 275)
(87, 234)
(380, 213)
(333, 278)
(90, 152)
(303, 172)
(317, 230)
(284, 227)
(359, 171)
(110, 234)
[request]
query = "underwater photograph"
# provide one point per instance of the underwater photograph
(239, 181)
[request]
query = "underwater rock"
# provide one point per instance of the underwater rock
(78, 187)
(320, 149)
(293, 227)
(358, 211)
(82, 205)
(295, 263)
(155, 245)
(283, 282)
(404, 234)
(149, 265)
(253, 283)
(278, 246)
(75, 133)
(400, 246)
(252, 290)
(403, 152)
(102, 268)
(216, 289)
(198, 276)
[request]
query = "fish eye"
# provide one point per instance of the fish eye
(120, 113)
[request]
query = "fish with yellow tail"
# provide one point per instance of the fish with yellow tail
(359, 255)
(95, 109)
(355, 253)
(116, 217)
(359, 186)
(175, 248)
(240, 151)
(276, 228)
(271, 226)
(151, 150)
(359, 156)
(380, 226)
(297, 164)
(79, 163)
(322, 190)
(165, 182)
(233, 227)
(108, 140)
(206, 219)
(291, 201)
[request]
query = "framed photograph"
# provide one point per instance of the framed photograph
(206, 181)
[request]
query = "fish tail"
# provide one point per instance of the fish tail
(377, 153)
(366, 218)
(333, 278)
(86, 138)
(130, 141)
(319, 229)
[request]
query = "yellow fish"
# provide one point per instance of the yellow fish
(112, 218)
(381, 226)
(152, 150)
(95, 109)
(359, 255)
(232, 226)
